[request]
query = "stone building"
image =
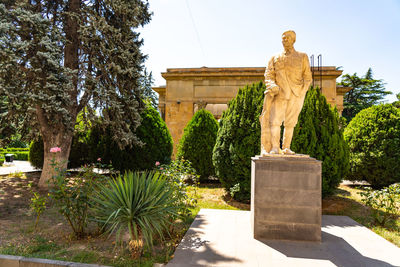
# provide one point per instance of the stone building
(188, 89)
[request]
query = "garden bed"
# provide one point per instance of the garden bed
(53, 238)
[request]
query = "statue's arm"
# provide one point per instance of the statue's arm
(307, 76)
(270, 78)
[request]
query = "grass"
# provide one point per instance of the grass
(347, 202)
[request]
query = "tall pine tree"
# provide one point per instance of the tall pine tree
(58, 57)
(366, 92)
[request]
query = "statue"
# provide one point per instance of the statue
(287, 80)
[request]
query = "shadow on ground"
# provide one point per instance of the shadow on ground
(332, 248)
(194, 248)
(14, 194)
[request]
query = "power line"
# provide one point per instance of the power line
(195, 29)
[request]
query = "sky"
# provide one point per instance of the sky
(353, 34)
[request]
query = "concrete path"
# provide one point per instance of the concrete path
(223, 238)
(17, 165)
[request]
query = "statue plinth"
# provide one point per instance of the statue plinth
(286, 197)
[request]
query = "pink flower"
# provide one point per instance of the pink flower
(161, 168)
(99, 159)
(157, 163)
(55, 149)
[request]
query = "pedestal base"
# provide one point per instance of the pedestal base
(286, 198)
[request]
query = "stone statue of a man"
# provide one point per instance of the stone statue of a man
(287, 80)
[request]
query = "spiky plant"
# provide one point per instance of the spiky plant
(141, 203)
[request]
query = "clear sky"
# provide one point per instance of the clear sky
(354, 34)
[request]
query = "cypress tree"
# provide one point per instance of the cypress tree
(319, 133)
(238, 139)
(197, 143)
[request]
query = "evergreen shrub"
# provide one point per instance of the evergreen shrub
(238, 140)
(374, 139)
(319, 133)
(21, 155)
(36, 153)
(79, 154)
(197, 143)
(153, 132)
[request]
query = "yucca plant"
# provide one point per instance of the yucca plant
(141, 203)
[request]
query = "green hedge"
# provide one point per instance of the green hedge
(14, 149)
(374, 139)
(19, 153)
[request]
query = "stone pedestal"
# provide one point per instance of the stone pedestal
(286, 198)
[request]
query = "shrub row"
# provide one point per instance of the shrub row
(88, 147)
(319, 134)
(13, 149)
(19, 153)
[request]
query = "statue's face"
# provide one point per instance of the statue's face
(287, 40)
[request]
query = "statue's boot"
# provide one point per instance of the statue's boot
(287, 140)
(275, 137)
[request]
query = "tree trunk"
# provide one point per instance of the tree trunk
(60, 158)
(54, 136)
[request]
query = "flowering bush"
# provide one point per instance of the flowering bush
(55, 149)
(73, 195)
(180, 174)
(383, 203)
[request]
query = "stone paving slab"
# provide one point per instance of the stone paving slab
(18, 166)
(224, 238)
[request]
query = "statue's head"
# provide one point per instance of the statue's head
(288, 39)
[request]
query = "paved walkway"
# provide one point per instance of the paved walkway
(223, 238)
(18, 165)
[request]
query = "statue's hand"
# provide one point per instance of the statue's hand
(272, 90)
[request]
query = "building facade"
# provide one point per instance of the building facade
(189, 89)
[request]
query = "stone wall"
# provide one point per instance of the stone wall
(188, 88)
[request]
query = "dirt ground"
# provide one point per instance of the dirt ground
(53, 237)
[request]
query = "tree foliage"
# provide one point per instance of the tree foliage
(319, 133)
(238, 140)
(366, 92)
(397, 103)
(197, 143)
(68, 55)
(374, 139)
(92, 142)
